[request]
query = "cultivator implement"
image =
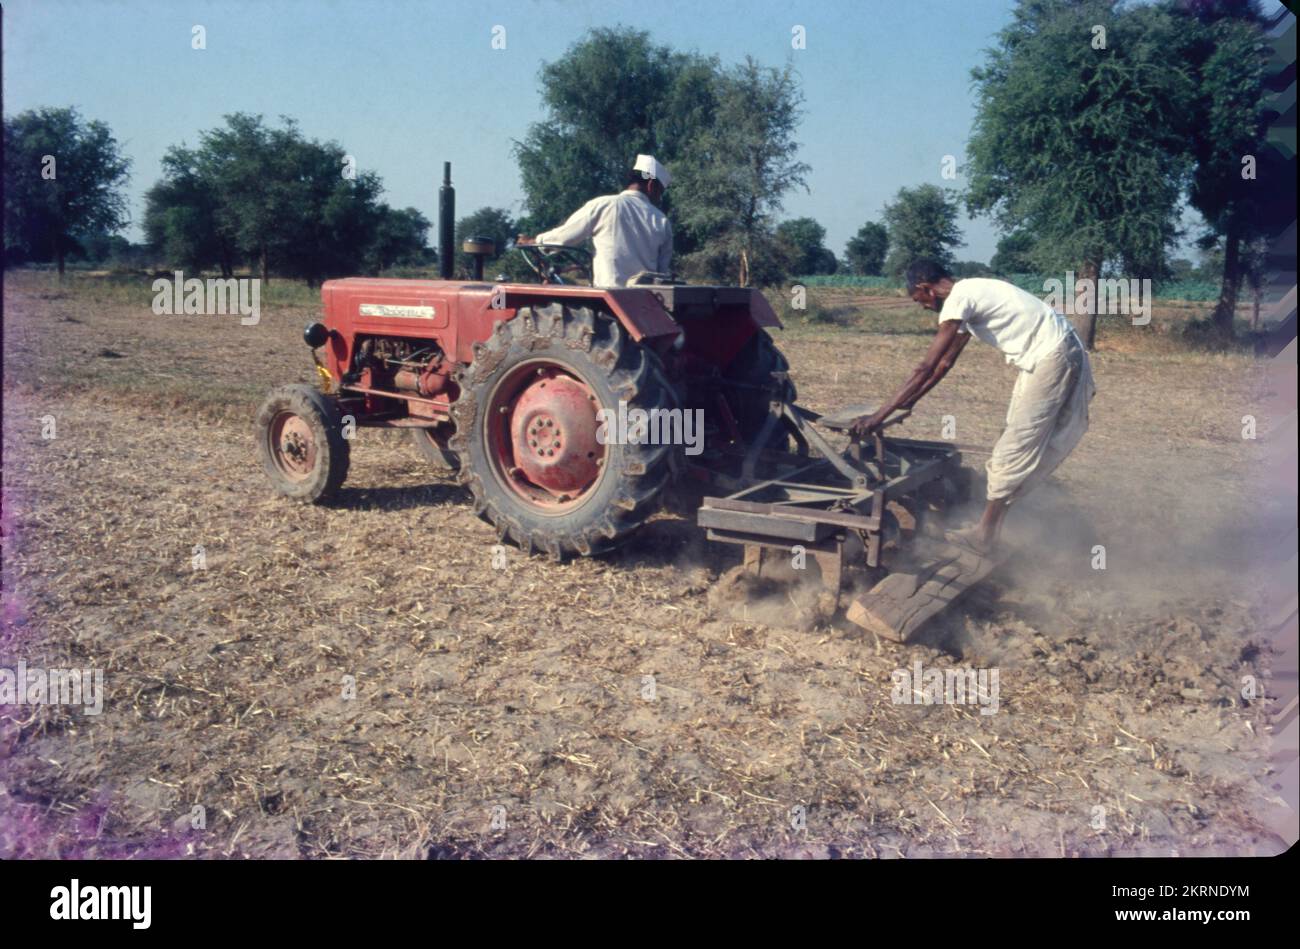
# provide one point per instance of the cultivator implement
(860, 507)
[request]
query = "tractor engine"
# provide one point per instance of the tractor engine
(414, 366)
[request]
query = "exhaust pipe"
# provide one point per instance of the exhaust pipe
(446, 224)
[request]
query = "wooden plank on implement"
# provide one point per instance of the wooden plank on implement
(899, 605)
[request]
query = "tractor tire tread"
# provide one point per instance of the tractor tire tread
(630, 370)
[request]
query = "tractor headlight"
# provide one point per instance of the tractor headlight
(316, 335)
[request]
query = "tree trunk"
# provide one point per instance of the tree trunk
(266, 266)
(60, 255)
(1226, 309)
(1085, 313)
(1256, 298)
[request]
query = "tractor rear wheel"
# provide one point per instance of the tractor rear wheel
(301, 444)
(529, 436)
(753, 368)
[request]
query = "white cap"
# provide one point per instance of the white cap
(650, 168)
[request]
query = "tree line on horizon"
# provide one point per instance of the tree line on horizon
(1097, 123)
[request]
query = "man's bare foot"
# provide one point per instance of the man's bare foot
(972, 538)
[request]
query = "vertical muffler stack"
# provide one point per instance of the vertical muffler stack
(446, 224)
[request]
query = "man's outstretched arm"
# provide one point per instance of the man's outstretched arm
(578, 228)
(945, 364)
(939, 358)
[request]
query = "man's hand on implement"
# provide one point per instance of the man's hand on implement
(863, 427)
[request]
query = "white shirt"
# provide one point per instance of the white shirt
(629, 232)
(1014, 321)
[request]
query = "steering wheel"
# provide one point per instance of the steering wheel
(552, 261)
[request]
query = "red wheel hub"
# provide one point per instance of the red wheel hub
(545, 435)
(293, 446)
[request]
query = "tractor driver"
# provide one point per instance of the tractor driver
(629, 230)
(1049, 405)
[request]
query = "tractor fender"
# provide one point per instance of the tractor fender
(761, 311)
(639, 310)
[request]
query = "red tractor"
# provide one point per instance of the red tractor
(508, 384)
(503, 382)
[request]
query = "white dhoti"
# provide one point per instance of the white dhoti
(1047, 417)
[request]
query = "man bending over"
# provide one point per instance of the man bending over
(1049, 405)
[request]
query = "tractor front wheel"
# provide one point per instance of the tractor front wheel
(301, 444)
(542, 467)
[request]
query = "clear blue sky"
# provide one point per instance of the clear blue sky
(404, 86)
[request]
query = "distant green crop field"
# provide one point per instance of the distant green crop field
(1192, 290)
(849, 280)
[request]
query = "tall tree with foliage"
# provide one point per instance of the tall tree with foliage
(732, 183)
(921, 222)
(1228, 136)
(277, 200)
(332, 217)
(866, 249)
(1080, 135)
(612, 95)
(726, 134)
(63, 178)
(180, 216)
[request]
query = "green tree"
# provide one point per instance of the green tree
(1014, 254)
(737, 173)
(805, 239)
(271, 197)
(63, 178)
(970, 268)
(102, 247)
(866, 249)
(180, 220)
(1229, 187)
(612, 95)
(726, 135)
(921, 222)
(401, 239)
(1080, 136)
(333, 218)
